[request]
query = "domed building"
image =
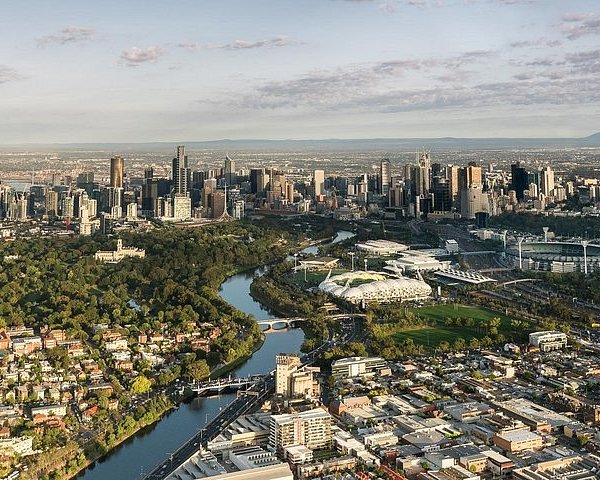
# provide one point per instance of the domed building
(365, 287)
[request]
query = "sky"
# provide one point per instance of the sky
(75, 71)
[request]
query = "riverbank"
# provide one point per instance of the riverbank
(81, 457)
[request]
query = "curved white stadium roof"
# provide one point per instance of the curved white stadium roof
(381, 289)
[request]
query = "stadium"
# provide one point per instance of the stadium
(558, 257)
(364, 287)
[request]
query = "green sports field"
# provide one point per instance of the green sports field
(431, 336)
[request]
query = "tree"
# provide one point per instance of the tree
(198, 369)
(140, 385)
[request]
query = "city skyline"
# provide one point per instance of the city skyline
(316, 69)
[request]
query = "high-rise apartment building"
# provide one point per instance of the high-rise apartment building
(319, 182)
(385, 176)
(311, 428)
(116, 172)
(292, 380)
(181, 171)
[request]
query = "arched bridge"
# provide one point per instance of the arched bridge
(282, 323)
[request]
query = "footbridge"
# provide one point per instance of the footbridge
(231, 383)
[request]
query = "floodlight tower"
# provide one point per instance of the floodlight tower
(584, 243)
(366, 262)
(546, 234)
(352, 257)
(521, 253)
(295, 262)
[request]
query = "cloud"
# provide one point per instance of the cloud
(387, 7)
(278, 41)
(67, 35)
(377, 87)
(538, 42)
(136, 56)
(8, 74)
(576, 25)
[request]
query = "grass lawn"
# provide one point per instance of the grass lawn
(438, 332)
(432, 336)
(439, 313)
(313, 278)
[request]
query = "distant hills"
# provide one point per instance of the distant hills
(334, 144)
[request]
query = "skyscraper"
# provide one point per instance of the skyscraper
(116, 172)
(547, 181)
(229, 171)
(385, 177)
(423, 183)
(469, 176)
(319, 182)
(520, 180)
(181, 172)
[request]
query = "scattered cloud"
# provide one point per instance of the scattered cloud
(538, 42)
(8, 74)
(136, 56)
(570, 80)
(72, 34)
(278, 41)
(388, 7)
(576, 25)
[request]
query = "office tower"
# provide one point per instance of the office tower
(547, 181)
(520, 180)
(132, 211)
(84, 178)
(473, 201)
(229, 171)
(217, 204)
(182, 207)
(51, 203)
(452, 172)
(319, 182)
(113, 201)
(396, 197)
(442, 195)
(148, 173)
(385, 176)
(150, 196)
(116, 172)
(181, 172)
(85, 226)
(311, 428)
(67, 207)
(423, 180)
(289, 192)
(467, 177)
(256, 175)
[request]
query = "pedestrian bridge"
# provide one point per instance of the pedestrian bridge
(230, 383)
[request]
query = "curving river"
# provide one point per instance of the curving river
(145, 449)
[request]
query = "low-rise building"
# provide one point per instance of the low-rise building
(548, 341)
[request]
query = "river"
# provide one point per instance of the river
(147, 448)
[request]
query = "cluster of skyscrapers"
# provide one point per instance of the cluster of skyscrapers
(416, 189)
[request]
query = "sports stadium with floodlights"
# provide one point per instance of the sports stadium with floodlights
(364, 287)
(558, 257)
